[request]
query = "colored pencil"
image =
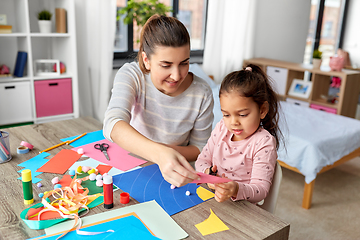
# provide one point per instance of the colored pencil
(55, 146)
(68, 142)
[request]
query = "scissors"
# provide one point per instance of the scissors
(103, 147)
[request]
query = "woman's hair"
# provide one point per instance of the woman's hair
(161, 31)
(253, 82)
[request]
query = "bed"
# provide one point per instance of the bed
(315, 141)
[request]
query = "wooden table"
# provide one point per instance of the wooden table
(245, 220)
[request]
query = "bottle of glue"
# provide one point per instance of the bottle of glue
(108, 191)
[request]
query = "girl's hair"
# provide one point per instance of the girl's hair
(253, 82)
(161, 31)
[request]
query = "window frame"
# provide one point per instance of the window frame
(319, 19)
(196, 56)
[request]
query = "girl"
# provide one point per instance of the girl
(243, 145)
(158, 110)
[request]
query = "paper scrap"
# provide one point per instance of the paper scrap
(211, 225)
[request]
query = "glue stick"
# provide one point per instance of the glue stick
(27, 186)
(108, 191)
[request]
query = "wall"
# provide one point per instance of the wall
(281, 29)
(352, 34)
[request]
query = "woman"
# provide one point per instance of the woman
(158, 110)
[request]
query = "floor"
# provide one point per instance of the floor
(335, 210)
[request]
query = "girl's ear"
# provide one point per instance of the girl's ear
(264, 109)
(146, 61)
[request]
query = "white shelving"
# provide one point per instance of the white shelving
(25, 36)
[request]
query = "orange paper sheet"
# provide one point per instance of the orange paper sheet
(103, 168)
(61, 162)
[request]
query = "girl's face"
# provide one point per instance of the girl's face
(241, 115)
(169, 68)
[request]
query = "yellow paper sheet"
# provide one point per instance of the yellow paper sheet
(211, 225)
(204, 194)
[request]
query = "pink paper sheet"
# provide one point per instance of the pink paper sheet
(206, 178)
(119, 158)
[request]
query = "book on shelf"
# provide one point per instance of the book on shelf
(20, 64)
(5, 29)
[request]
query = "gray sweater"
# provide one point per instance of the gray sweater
(182, 120)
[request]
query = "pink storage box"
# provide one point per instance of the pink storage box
(53, 97)
(322, 108)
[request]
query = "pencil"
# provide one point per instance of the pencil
(68, 142)
(55, 146)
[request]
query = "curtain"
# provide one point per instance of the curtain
(229, 36)
(95, 27)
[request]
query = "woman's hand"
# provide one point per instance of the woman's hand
(224, 191)
(174, 167)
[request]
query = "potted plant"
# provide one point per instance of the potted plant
(44, 19)
(317, 59)
(139, 11)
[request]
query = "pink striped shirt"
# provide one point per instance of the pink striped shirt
(249, 162)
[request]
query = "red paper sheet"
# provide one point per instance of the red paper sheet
(61, 162)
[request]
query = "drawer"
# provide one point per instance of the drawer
(298, 102)
(15, 103)
(279, 76)
(322, 108)
(53, 97)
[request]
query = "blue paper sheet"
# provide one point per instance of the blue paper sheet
(34, 164)
(124, 228)
(147, 184)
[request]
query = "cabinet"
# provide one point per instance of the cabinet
(348, 95)
(25, 36)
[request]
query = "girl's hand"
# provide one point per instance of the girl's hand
(224, 191)
(175, 168)
(207, 171)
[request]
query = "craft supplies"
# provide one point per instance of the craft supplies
(5, 155)
(124, 198)
(108, 192)
(55, 146)
(27, 186)
(71, 141)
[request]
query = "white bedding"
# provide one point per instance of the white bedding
(313, 139)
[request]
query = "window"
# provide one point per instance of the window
(327, 24)
(192, 13)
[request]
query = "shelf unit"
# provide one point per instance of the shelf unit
(25, 36)
(321, 79)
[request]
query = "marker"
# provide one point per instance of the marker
(27, 186)
(108, 192)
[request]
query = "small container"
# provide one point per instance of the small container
(5, 154)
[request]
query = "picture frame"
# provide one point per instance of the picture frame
(47, 67)
(300, 88)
